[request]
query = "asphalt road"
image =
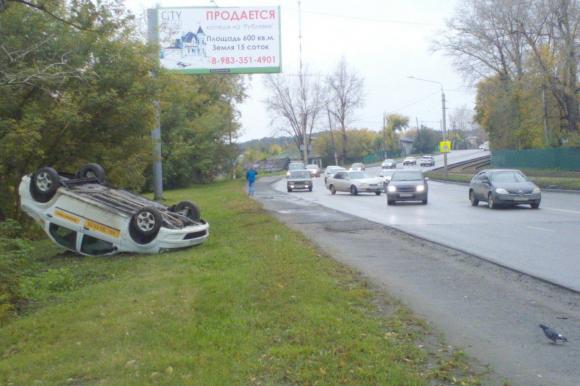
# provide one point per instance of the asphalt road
(491, 312)
(543, 243)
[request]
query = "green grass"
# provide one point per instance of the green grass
(563, 181)
(256, 304)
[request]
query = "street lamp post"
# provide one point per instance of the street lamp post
(443, 112)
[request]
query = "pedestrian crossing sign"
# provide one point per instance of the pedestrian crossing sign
(444, 146)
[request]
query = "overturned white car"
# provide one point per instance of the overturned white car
(82, 214)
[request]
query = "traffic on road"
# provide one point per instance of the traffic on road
(541, 243)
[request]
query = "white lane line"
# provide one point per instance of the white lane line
(541, 229)
(564, 210)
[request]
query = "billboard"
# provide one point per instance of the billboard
(238, 40)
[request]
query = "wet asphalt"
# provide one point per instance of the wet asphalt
(489, 311)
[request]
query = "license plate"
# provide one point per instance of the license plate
(405, 194)
(520, 199)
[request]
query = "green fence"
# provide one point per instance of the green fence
(379, 157)
(555, 158)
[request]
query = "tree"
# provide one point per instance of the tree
(395, 124)
(346, 94)
(67, 122)
(513, 45)
(426, 140)
(296, 102)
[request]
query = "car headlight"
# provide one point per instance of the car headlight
(287, 174)
(420, 188)
(392, 188)
(536, 190)
(501, 191)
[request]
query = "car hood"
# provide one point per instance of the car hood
(516, 187)
(406, 183)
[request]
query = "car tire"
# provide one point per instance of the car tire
(425, 201)
(188, 209)
(353, 190)
(491, 204)
(378, 193)
(92, 171)
(289, 190)
(310, 188)
(44, 184)
(332, 190)
(391, 202)
(535, 205)
(474, 201)
(145, 225)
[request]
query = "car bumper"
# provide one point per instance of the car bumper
(407, 196)
(514, 199)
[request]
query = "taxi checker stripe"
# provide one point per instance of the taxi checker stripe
(86, 219)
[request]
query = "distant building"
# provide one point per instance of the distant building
(406, 146)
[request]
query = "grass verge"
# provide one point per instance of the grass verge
(256, 304)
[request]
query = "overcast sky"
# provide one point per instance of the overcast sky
(384, 40)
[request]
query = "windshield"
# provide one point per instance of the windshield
(295, 166)
(311, 166)
(300, 174)
(407, 176)
(357, 175)
(507, 177)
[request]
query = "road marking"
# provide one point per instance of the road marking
(541, 229)
(564, 210)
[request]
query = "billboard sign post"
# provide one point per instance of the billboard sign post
(237, 40)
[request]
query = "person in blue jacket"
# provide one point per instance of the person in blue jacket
(251, 177)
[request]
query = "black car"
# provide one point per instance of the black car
(503, 187)
(407, 185)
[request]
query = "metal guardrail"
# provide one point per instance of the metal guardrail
(474, 163)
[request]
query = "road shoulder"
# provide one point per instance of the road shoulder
(491, 312)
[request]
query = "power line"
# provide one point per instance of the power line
(368, 19)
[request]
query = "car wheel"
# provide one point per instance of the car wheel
(535, 205)
(44, 184)
(353, 190)
(289, 190)
(145, 225)
(474, 201)
(390, 202)
(425, 201)
(332, 190)
(378, 193)
(310, 188)
(491, 202)
(92, 171)
(188, 209)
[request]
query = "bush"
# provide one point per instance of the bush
(15, 262)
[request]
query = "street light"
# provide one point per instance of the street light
(443, 110)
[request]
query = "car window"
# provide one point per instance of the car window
(358, 175)
(295, 166)
(64, 236)
(407, 176)
(300, 174)
(508, 177)
(339, 176)
(94, 246)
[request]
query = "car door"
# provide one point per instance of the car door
(485, 186)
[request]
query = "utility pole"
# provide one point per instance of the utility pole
(444, 130)
(302, 93)
(384, 135)
(332, 136)
(153, 37)
(545, 107)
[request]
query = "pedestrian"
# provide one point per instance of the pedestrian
(251, 177)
